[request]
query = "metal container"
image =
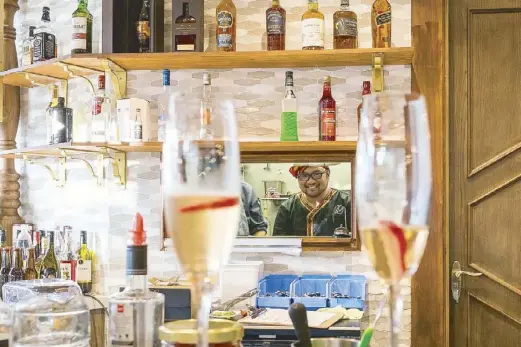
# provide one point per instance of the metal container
(331, 342)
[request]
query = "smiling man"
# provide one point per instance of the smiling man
(317, 210)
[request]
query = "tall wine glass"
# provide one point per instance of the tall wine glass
(201, 191)
(393, 189)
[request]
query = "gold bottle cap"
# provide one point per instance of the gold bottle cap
(327, 79)
(185, 332)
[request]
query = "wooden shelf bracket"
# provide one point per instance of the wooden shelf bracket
(118, 77)
(378, 72)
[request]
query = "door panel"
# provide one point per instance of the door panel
(485, 170)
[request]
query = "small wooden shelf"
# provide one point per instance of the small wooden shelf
(87, 64)
(277, 149)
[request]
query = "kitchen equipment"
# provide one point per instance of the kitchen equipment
(298, 315)
(184, 332)
(331, 343)
(348, 291)
(312, 291)
(270, 288)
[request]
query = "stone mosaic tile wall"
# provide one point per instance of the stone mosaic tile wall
(107, 211)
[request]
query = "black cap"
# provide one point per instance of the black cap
(46, 9)
(61, 101)
(31, 30)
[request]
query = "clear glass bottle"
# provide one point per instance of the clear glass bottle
(313, 27)
(82, 28)
(44, 44)
(136, 127)
(289, 118)
(345, 27)
(101, 109)
(28, 48)
(206, 132)
(67, 261)
(226, 31)
(164, 106)
(48, 118)
(136, 313)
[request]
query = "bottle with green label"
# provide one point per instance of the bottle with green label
(289, 122)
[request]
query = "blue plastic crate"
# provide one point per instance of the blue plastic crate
(312, 284)
(352, 285)
(271, 284)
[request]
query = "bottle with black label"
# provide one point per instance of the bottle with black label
(50, 267)
(226, 31)
(143, 27)
(44, 39)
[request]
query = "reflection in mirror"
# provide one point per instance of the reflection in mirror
(304, 199)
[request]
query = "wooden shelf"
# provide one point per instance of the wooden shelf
(247, 148)
(87, 64)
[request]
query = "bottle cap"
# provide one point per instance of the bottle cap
(207, 79)
(46, 9)
(166, 77)
(327, 79)
(31, 31)
(101, 82)
(137, 236)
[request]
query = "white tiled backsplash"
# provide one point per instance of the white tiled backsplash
(107, 211)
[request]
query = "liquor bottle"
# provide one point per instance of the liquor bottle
(276, 27)
(136, 127)
(17, 271)
(30, 269)
(127, 323)
(289, 119)
(61, 122)
(3, 238)
(226, 15)
(82, 28)
(44, 39)
(100, 112)
(27, 48)
(84, 262)
(48, 119)
(345, 26)
(327, 113)
(185, 41)
(164, 106)
(50, 267)
(312, 27)
(366, 90)
(381, 24)
(67, 261)
(6, 267)
(206, 131)
(143, 27)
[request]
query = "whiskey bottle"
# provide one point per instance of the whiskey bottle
(289, 119)
(186, 40)
(101, 109)
(312, 27)
(276, 27)
(327, 113)
(82, 28)
(345, 26)
(206, 132)
(28, 48)
(226, 31)
(44, 39)
(143, 27)
(381, 24)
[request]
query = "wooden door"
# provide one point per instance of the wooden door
(485, 170)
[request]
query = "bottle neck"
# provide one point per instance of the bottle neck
(83, 3)
(327, 90)
(186, 9)
(313, 5)
(30, 259)
(46, 17)
(344, 5)
(275, 3)
(137, 282)
(6, 258)
(17, 260)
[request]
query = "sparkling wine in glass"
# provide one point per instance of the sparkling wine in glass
(201, 191)
(393, 189)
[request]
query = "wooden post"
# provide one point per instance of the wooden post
(9, 186)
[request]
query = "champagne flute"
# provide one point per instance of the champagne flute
(201, 191)
(393, 189)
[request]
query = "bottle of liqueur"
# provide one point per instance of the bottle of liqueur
(381, 24)
(289, 119)
(67, 261)
(6, 267)
(276, 27)
(50, 267)
(143, 27)
(345, 27)
(312, 27)
(28, 48)
(226, 15)
(100, 112)
(128, 325)
(17, 271)
(206, 132)
(30, 269)
(84, 264)
(327, 113)
(185, 40)
(82, 28)
(44, 39)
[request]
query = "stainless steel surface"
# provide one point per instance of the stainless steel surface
(331, 343)
(456, 279)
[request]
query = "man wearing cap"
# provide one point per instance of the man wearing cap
(314, 211)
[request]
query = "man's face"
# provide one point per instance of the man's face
(310, 183)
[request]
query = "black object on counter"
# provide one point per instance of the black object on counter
(299, 317)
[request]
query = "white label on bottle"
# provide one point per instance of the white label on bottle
(83, 271)
(121, 325)
(65, 271)
(313, 32)
(79, 33)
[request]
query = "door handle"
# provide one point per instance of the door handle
(456, 279)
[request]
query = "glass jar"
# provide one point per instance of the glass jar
(183, 333)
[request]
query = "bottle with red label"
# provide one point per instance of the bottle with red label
(100, 112)
(327, 113)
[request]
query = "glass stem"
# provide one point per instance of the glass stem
(396, 311)
(203, 290)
